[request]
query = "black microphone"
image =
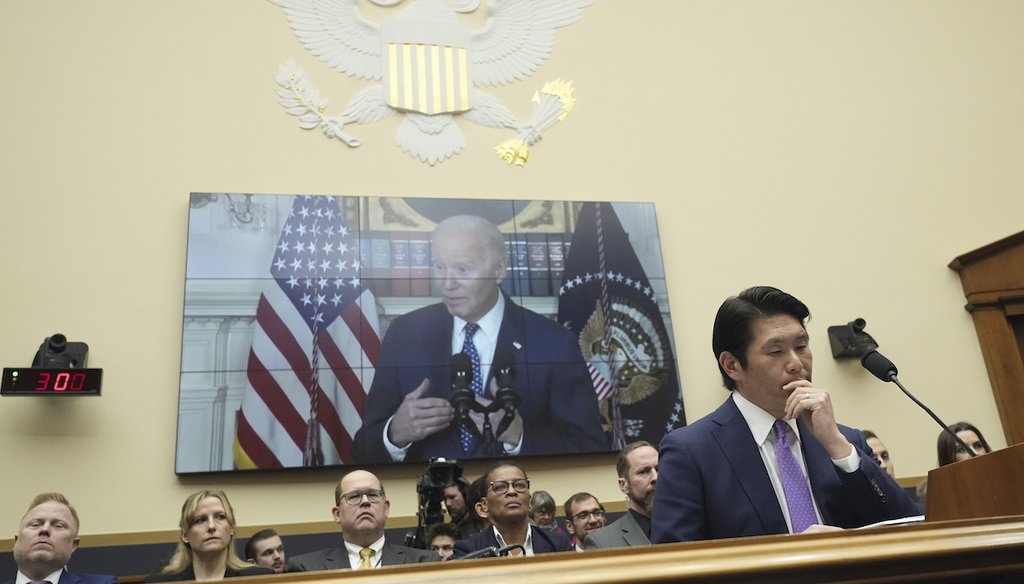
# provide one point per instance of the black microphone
(504, 551)
(487, 552)
(505, 373)
(462, 398)
(881, 367)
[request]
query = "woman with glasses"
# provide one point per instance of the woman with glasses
(506, 502)
(207, 547)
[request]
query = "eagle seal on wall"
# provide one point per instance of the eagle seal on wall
(430, 66)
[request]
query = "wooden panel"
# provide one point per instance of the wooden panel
(993, 283)
(984, 486)
(926, 552)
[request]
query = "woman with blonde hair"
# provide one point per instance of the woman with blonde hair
(207, 547)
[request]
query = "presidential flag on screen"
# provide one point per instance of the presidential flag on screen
(314, 346)
(607, 299)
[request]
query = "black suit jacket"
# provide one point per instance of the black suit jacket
(712, 483)
(559, 407)
(544, 542)
(188, 574)
(337, 558)
(70, 578)
(623, 532)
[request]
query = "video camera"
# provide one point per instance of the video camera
(440, 474)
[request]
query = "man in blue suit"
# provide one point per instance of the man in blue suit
(507, 505)
(740, 470)
(408, 415)
(46, 538)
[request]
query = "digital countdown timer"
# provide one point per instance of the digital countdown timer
(37, 381)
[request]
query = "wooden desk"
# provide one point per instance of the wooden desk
(931, 551)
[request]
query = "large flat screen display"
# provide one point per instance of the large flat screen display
(339, 330)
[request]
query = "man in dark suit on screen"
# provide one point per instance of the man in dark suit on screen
(771, 459)
(408, 415)
(361, 509)
(46, 538)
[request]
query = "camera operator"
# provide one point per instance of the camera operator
(441, 481)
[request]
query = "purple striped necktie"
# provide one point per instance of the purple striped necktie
(794, 484)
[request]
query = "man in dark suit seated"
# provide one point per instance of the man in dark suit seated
(47, 536)
(408, 415)
(506, 504)
(637, 467)
(361, 509)
(771, 459)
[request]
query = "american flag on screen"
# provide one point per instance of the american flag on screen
(314, 347)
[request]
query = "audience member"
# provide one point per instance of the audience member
(266, 549)
(361, 509)
(506, 504)
(950, 451)
(46, 538)
(772, 458)
(456, 498)
(441, 539)
(207, 547)
(583, 514)
(408, 415)
(478, 518)
(542, 509)
(879, 453)
(637, 467)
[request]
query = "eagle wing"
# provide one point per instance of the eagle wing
(334, 31)
(518, 36)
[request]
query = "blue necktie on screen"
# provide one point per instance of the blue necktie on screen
(798, 495)
(465, 436)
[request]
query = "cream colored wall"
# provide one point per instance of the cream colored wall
(843, 151)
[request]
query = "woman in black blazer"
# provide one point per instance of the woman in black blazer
(207, 547)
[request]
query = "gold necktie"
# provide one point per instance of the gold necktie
(365, 554)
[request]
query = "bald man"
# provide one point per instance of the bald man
(361, 509)
(408, 413)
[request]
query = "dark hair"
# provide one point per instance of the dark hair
(733, 331)
(487, 474)
(250, 546)
(948, 447)
(448, 529)
(869, 434)
(622, 462)
(579, 498)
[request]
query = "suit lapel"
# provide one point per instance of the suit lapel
(744, 457)
(392, 556)
(337, 558)
(632, 533)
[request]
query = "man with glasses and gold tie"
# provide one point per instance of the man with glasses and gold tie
(584, 514)
(506, 503)
(361, 509)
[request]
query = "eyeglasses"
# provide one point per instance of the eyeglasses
(357, 497)
(501, 487)
(582, 515)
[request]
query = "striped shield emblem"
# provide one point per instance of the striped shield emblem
(426, 66)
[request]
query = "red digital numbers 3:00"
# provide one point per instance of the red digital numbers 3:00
(63, 381)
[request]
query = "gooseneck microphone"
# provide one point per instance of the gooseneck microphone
(492, 552)
(881, 367)
(506, 397)
(462, 398)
